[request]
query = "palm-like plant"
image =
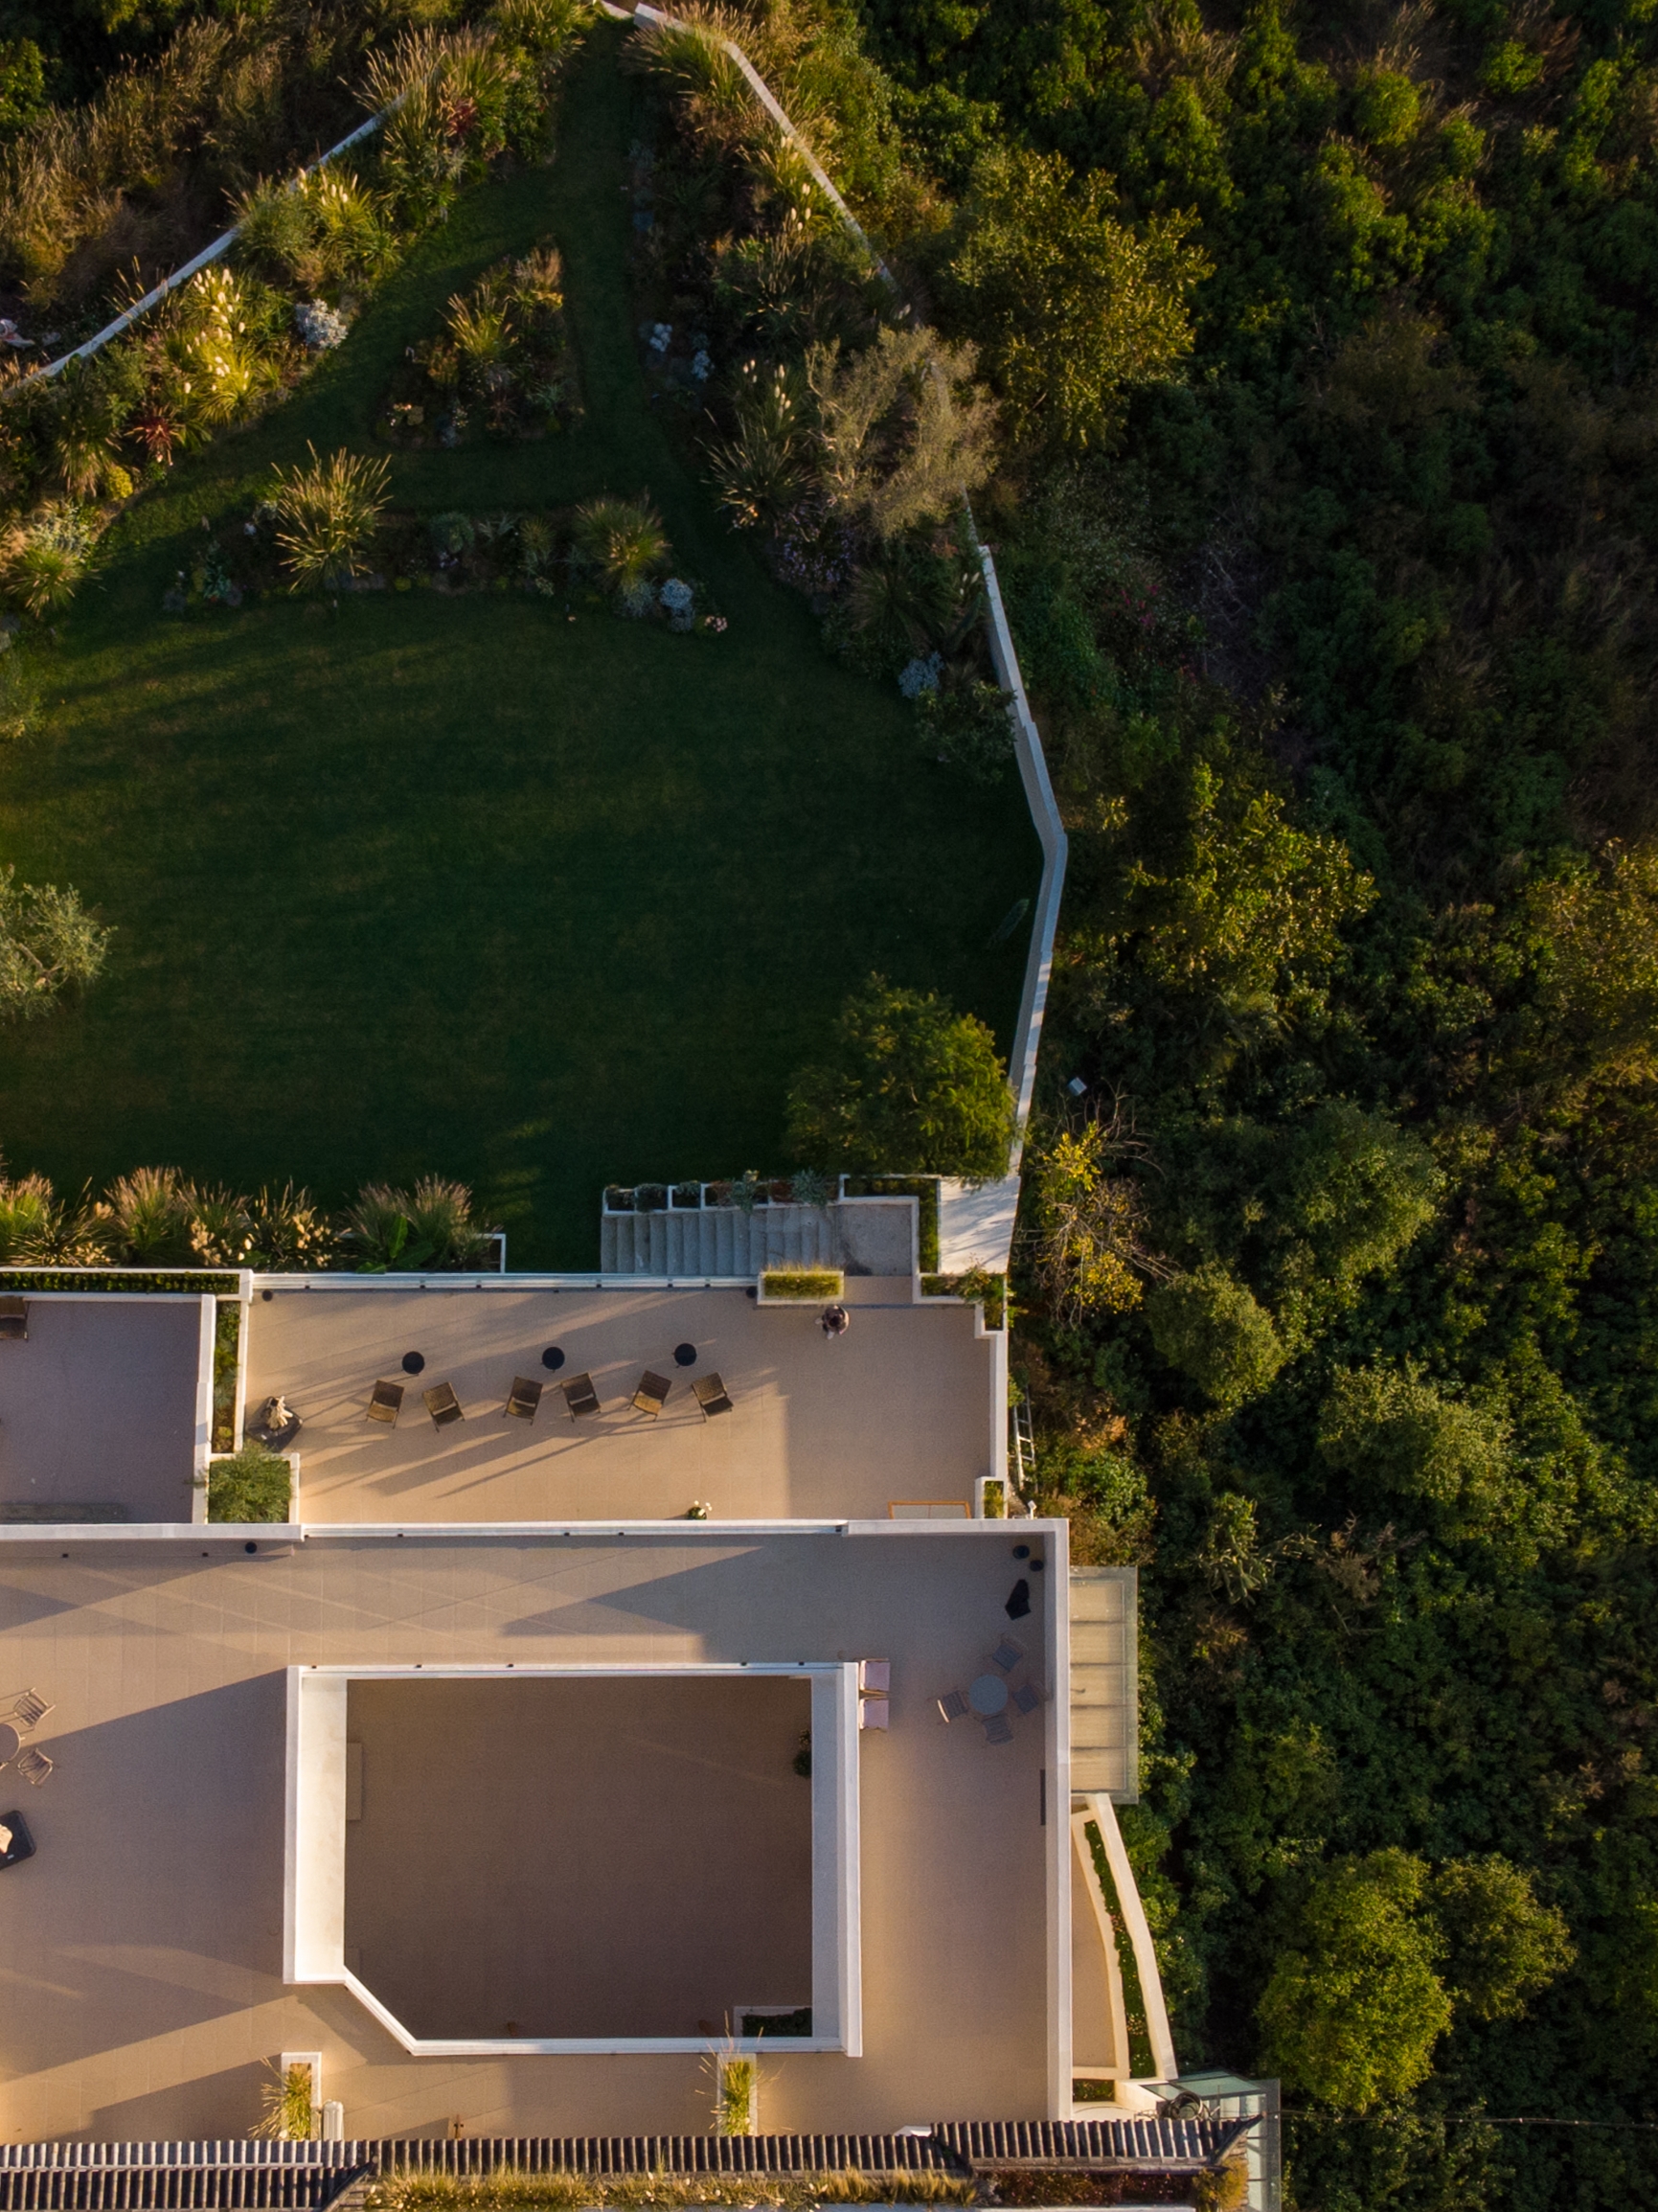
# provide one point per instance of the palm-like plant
(330, 510)
(481, 332)
(430, 1226)
(624, 539)
(762, 470)
(45, 559)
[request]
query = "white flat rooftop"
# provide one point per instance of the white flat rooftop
(141, 1946)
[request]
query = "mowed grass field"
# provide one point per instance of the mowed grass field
(456, 886)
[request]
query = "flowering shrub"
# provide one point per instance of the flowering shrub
(920, 675)
(678, 598)
(320, 327)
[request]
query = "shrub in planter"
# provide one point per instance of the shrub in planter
(806, 1283)
(252, 1484)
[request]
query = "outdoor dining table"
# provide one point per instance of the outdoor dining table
(10, 1742)
(987, 1694)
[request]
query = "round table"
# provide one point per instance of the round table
(988, 1696)
(685, 1354)
(413, 1362)
(10, 1742)
(553, 1358)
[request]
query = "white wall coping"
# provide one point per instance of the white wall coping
(314, 1859)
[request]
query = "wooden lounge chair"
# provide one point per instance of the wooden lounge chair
(13, 1320)
(33, 1765)
(522, 1399)
(872, 1713)
(579, 1396)
(875, 1674)
(711, 1395)
(651, 1396)
(443, 1404)
(953, 1706)
(26, 1710)
(385, 1402)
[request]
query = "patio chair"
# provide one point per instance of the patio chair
(651, 1396)
(875, 1674)
(998, 1729)
(711, 1395)
(26, 1710)
(953, 1706)
(522, 1399)
(579, 1396)
(1027, 1697)
(1006, 1654)
(873, 1713)
(33, 1765)
(13, 1320)
(443, 1404)
(385, 1402)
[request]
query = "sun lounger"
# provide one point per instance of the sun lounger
(385, 1402)
(443, 1404)
(651, 1396)
(579, 1396)
(711, 1395)
(523, 1399)
(872, 1713)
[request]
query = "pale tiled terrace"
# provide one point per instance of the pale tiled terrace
(140, 1948)
(905, 1405)
(99, 1409)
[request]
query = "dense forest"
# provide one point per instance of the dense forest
(1323, 483)
(1324, 340)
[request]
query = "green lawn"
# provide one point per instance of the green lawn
(455, 884)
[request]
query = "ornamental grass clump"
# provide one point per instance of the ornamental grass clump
(327, 513)
(625, 543)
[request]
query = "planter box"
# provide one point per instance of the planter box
(800, 1285)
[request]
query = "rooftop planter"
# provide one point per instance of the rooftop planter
(798, 1286)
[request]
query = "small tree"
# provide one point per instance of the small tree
(902, 430)
(1393, 1432)
(1352, 2009)
(49, 945)
(1072, 306)
(328, 511)
(909, 1086)
(1502, 1945)
(1213, 1329)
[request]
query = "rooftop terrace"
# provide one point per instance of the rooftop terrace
(143, 1945)
(908, 1406)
